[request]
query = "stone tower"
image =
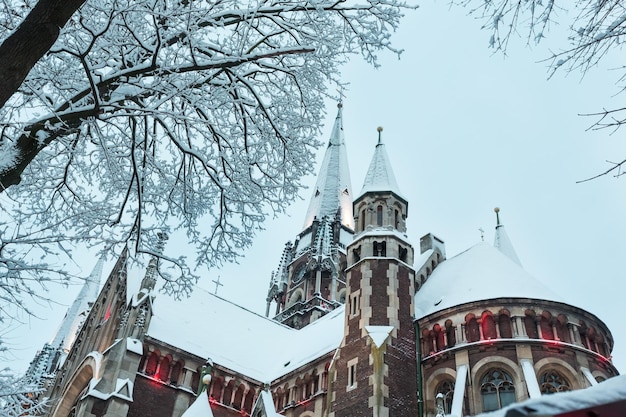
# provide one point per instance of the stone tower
(309, 280)
(375, 370)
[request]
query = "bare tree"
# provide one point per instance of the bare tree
(184, 116)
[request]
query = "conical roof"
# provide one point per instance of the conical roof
(480, 273)
(380, 176)
(333, 190)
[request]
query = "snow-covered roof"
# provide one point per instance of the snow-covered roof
(380, 176)
(480, 273)
(333, 189)
(612, 391)
(240, 339)
(200, 407)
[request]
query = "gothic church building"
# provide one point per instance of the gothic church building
(360, 323)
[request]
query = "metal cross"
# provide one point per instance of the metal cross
(217, 284)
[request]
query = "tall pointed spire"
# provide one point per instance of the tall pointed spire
(333, 190)
(502, 241)
(79, 309)
(380, 175)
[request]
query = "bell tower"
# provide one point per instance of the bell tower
(375, 370)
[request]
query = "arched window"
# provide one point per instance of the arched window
(472, 332)
(153, 362)
(164, 368)
(561, 328)
(450, 333)
(489, 326)
(195, 380)
(446, 388)
(228, 393)
(530, 324)
(239, 397)
(249, 401)
(216, 390)
(552, 381)
(396, 219)
(545, 324)
(497, 390)
(439, 337)
(176, 371)
(379, 215)
(504, 324)
(362, 220)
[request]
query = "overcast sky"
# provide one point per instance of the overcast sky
(466, 131)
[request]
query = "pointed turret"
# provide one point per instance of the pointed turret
(502, 241)
(380, 175)
(380, 203)
(79, 309)
(333, 190)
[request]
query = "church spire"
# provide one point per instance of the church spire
(502, 241)
(380, 175)
(79, 309)
(333, 190)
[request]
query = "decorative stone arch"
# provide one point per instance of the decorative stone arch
(488, 325)
(152, 363)
(341, 296)
(485, 365)
(239, 396)
(599, 376)
(176, 373)
(217, 387)
(163, 374)
(307, 414)
(297, 295)
(504, 324)
(248, 402)
(86, 371)
(433, 381)
(562, 367)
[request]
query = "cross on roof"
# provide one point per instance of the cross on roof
(217, 284)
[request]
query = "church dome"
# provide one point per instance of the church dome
(480, 273)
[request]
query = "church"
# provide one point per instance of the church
(359, 322)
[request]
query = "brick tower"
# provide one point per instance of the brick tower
(375, 370)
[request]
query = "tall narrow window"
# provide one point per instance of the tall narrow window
(354, 304)
(352, 374)
(362, 220)
(379, 215)
(396, 219)
(497, 390)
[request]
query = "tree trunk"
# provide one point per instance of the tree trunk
(30, 41)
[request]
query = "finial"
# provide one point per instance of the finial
(380, 139)
(497, 211)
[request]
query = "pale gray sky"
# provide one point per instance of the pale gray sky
(467, 131)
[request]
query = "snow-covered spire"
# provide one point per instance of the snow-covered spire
(79, 309)
(333, 190)
(502, 241)
(380, 175)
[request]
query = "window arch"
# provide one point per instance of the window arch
(552, 381)
(489, 326)
(504, 324)
(217, 388)
(152, 363)
(164, 368)
(379, 215)
(446, 388)
(496, 389)
(472, 331)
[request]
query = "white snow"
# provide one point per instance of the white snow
(378, 334)
(480, 273)
(134, 345)
(278, 349)
(504, 245)
(200, 407)
(609, 391)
